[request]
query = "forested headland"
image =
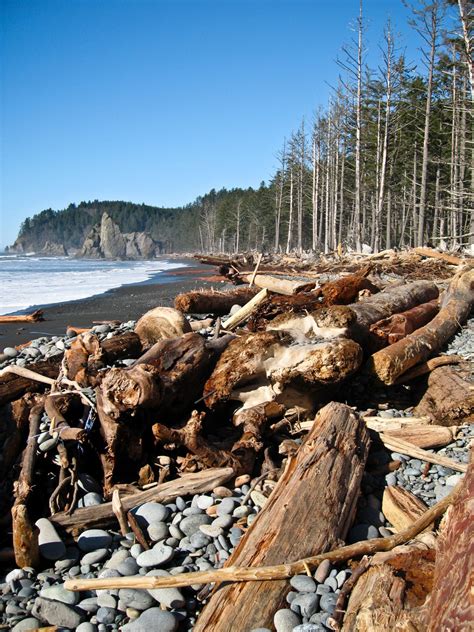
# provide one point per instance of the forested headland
(388, 162)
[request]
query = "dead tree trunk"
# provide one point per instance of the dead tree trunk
(212, 302)
(391, 362)
(447, 397)
(309, 511)
(450, 605)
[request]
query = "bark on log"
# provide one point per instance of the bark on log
(447, 397)
(102, 515)
(346, 289)
(213, 302)
(272, 358)
(160, 323)
(14, 386)
(401, 507)
(87, 355)
(309, 511)
(392, 329)
(23, 318)
(428, 366)
(450, 606)
(390, 363)
(168, 378)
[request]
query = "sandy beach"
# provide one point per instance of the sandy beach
(124, 303)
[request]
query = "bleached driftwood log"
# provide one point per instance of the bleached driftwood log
(278, 285)
(13, 386)
(212, 301)
(159, 323)
(390, 363)
(309, 511)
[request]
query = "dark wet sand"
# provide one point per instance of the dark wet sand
(128, 302)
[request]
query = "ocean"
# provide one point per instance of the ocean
(29, 280)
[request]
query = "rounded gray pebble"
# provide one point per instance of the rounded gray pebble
(303, 583)
(285, 620)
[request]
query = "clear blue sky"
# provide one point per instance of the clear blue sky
(159, 101)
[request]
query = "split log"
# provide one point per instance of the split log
(160, 323)
(447, 396)
(278, 304)
(390, 363)
(25, 540)
(392, 329)
(278, 285)
(309, 511)
(404, 447)
(88, 355)
(13, 386)
(428, 366)
(277, 571)
(272, 358)
(102, 515)
(23, 318)
(423, 436)
(450, 606)
(213, 302)
(443, 256)
(168, 378)
(401, 507)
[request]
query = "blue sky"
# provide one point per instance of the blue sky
(158, 101)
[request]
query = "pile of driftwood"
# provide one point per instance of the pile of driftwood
(211, 398)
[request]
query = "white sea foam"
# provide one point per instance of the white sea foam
(28, 281)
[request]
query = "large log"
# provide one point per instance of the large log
(391, 362)
(430, 253)
(23, 318)
(188, 484)
(14, 386)
(159, 323)
(280, 286)
(451, 607)
(309, 511)
(392, 329)
(213, 302)
(447, 396)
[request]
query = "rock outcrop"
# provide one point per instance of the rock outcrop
(106, 241)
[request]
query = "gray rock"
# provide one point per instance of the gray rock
(86, 627)
(148, 513)
(211, 530)
(90, 500)
(362, 531)
(30, 623)
(57, 613)
(223, 521)
(322, 571)
(328, 602)
(137, 599)
(158, 531)
(11, 352)
(307, 604)
(159, 554)
(104, 600)
(309, 627)
(226, 506)
(59, 593)
(50, 544)
(191, 524)
(204, 502)
(168, 597)
(303, 583)
(105, 615)
(94, 557)
(117, 558)
(153, 620)
(48, 444)
(93, 539)
(285, 620)
(89, 605)
(128, 567)
(89, 484)
(331, 582)
(322, 589)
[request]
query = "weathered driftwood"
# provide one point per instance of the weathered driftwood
(309, 511)
(245, 311)
(15, 425)
(390, 363)
(241, 455)
(277, 571)
(423, 435)
(13, 386)
(168, 378)
(401, 507)
(390, 330)
(405, 447)
(25, 540)
(450, 606)
(159, 323)
(23, 318)
(272, 358)
(278, 285)
(87, 355)
(447, 396)
(391, 595)
(212, 301)
(101, 515)
(346, 289)
(58, 421)
(428, 366)
(443, 256)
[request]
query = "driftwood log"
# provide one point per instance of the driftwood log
(212, 301)
(23, 318)
(159, 323)
(279, 285)
(450, 606)
(13, 386)
(102, 515)
(309, 511)
(390, 363)
(392, 329)
(401, 507)
(447, 396)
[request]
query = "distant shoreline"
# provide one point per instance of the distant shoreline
(127, 302)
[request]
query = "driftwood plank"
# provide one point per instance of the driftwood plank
(310, 509)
